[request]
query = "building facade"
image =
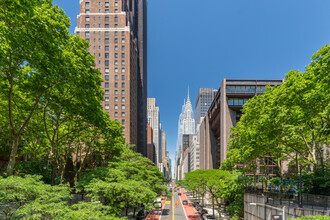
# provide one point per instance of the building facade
(225, 112)
(154, 122)
(117, 33)
(194, 153)
(150, 144)
(203, 101)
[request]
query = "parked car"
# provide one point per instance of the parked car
(199, 207)
(185, 202)
(195, 204)
(208, 217)
(140, 215)
(203, 212)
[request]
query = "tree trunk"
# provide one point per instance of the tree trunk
(134, 212)
(12, 158)
(213, 204)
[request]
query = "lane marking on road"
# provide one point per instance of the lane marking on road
(183, 207)
(168, 202)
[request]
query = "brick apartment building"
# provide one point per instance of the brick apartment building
(117, 33)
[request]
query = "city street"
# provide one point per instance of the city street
(175, 210)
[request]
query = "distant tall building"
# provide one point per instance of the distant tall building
(154, 122)
(204, 100)
(186, 126)
(150, 143)
(117, 33)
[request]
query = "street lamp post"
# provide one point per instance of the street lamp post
(279, 209)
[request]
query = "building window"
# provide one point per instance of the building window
(116, 47)
(106, 63)
(106, 48)
(106, 33)
(116, 106)
(116, 70)
(116, 4)
(86, 4)
(106, 40)
(116, 55)
(123, 121)
(123, 33)
(116, 85)
(116, 18)
(123, 107)
(106, 25)
(116, 62)
(123, 114)
(237, 101)
(123, 55)
(107, 85)
(106, 99)
(106, 55)
(106, 10)
(116, 25)
(87, 33)
(123, 85)
(87, 11)
(116, 40)
(122, 47)
(123, 99)
(116, 114)
(106, 4)
(106, 70)
(106, 107)
(86, 18)
(106, 92)
(116, 99)
(122, 70)
(116, 10)
(123, 40)
(86, 25)
(116, 92)
(122, 77)
(87, 40)
(116, 33)
(106, 77)
(123, 92)
(123, 62)
(116, 77)
(106, 18)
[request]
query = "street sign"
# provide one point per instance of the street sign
(277, 217)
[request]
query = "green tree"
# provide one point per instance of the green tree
(288, 122)
(128, 181)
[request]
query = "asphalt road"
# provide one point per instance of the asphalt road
(172, 211)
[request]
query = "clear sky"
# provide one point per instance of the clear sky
(200, 42)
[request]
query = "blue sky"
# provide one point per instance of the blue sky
(200, 42)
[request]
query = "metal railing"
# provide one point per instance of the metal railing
(287, 198)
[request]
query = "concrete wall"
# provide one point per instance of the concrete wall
(265, 212)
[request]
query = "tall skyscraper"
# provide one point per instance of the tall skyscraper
(154, 121)
(117, 33)
(186, 126)
(204, 100)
